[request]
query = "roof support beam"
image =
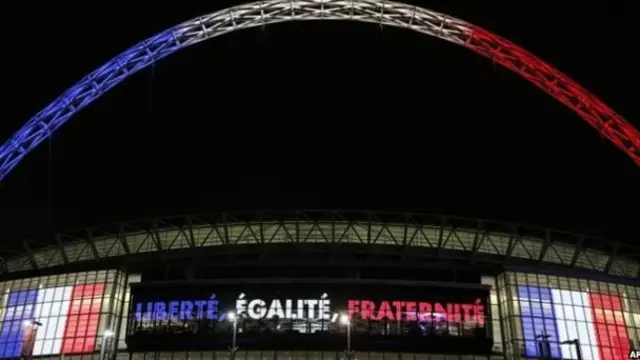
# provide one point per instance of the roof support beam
(63, 253)
(30, 255)
(577, 252)
(92, 244)
(513, 239)
(545, 246)
(612, 257)
(477, 241)
(434, 232)
(190, 237)
(155, 235)
(122, 237)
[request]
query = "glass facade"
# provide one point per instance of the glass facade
(68, 315)
(308, 316)
(60, 314)
(300, 316)
(602, 316)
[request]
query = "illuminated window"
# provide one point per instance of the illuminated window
(538, 319)
(567, 309)
(575, 322)
(53, 320)
(52, 310)
(611, 331)
(83, 318)
(18, 313)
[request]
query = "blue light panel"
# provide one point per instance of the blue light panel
(20, 308)
(538, 318)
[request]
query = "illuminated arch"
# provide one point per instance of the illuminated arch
(591, 109)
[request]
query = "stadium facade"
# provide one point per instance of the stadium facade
(315, 284)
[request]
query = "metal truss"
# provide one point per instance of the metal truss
(592, 110)
(462, 239)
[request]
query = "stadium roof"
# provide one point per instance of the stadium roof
(433, 236)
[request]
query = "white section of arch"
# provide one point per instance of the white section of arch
(274, 11)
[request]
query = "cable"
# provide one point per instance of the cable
(150, 94)
(50, 221)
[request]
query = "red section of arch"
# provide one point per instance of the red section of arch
(611, 125)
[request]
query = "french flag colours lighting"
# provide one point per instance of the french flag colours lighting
(69, 317)
(595, 319)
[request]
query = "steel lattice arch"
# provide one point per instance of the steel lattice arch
(597, 114)
(402, 237)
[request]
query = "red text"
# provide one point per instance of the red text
(396, 310)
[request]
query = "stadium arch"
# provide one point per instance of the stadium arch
(592, 110)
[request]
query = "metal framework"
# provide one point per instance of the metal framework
(444, 238)
(591, 109)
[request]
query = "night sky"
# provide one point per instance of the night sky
(320, 115)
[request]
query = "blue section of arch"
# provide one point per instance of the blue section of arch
(79, 96)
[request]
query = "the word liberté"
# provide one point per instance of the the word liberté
(177, 310)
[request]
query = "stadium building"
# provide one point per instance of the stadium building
(319, 285)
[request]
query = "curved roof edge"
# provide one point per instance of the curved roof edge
(478, 238)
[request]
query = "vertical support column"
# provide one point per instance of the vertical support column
(510, 317)
(121, 312)
(502, 317)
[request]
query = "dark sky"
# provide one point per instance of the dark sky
(320, 115)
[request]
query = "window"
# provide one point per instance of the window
(84, 314)
(58, 314)
(597, 320)
(19, 311)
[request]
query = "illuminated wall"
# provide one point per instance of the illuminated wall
(602, 316)
(62, 314)
(69, 317)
